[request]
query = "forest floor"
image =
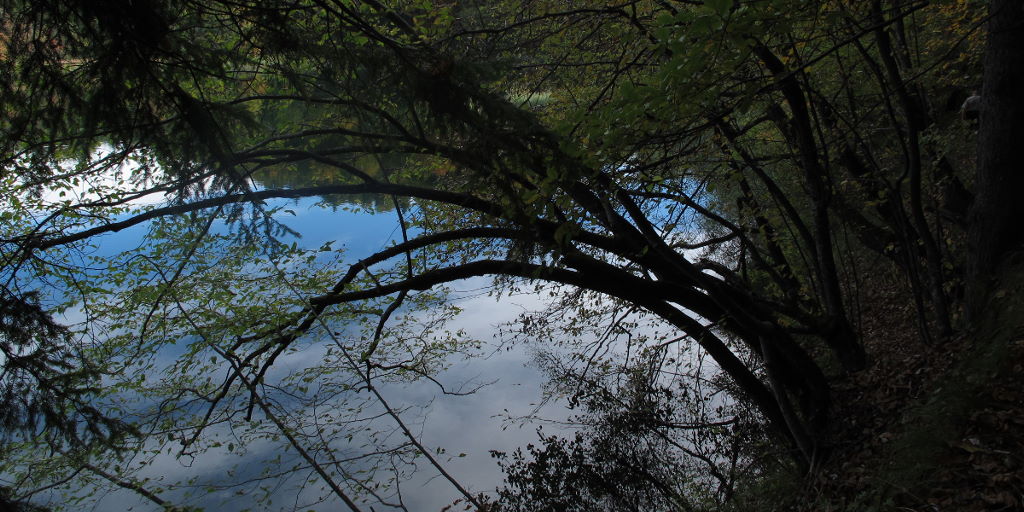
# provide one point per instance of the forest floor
(931, 428)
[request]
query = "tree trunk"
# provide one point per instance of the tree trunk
(998, 207)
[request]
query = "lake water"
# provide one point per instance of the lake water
(465, 427)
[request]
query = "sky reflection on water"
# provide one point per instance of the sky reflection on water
(472, 425)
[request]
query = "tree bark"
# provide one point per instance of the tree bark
(995, 217)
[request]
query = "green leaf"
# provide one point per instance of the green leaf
(721, 7)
